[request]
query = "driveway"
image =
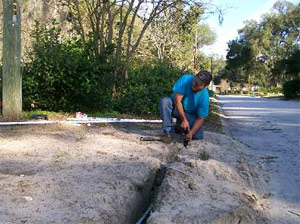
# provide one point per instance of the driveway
(272, 129)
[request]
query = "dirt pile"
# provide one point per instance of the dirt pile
(213, 181)
(61, 174)
(93, 174)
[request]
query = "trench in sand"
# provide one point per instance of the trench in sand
(230, 192)
(100, 174)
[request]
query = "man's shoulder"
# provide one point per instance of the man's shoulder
(188, 76)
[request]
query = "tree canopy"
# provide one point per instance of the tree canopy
(267, 53)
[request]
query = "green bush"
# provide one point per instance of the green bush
(212, 93)
(63, 76)
(146, 85)
(262, 90)
(275, 90)
(265, 90)
(291, 89)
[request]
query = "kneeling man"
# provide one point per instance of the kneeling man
(189, 104)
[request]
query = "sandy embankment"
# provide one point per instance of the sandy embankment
(213, 181)
(67, 174)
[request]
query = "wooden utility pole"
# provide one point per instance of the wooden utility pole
(11, 78)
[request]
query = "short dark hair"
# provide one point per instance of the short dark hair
(204, 77)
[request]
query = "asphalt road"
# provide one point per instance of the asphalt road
(272, 129)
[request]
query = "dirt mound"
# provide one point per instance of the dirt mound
(75, 174)
(93, 174)
(213, 181)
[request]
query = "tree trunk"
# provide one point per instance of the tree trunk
(12, 83)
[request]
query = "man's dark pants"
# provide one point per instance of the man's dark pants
(168, 110)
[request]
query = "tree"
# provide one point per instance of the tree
(291, 64)
(112, 24)
(11, 77)
(262, 50)
(177, 36)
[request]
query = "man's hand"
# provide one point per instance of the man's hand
(185, 125)
(189, 137)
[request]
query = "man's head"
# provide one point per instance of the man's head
(201, 80)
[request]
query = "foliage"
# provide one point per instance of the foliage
(213, 121)
(217, 80)
(291, 89)
(63, 75)
(177, 36)
(266, 53)
(292, 63)
(51, 115)
(146, 85)
(122, 24)
(270, 90)
(87, 69)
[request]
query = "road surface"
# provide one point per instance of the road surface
(271, 128)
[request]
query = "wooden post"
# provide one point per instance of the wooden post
(11, 78)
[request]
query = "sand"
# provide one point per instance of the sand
(105, 174)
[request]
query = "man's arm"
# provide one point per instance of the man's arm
(197, 125)
(179, 107)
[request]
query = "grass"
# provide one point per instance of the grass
(109, 113)
(116, 114)
(28, 115)
(213, 122)
(269, 96)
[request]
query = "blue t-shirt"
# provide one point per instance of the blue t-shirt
(192, 102)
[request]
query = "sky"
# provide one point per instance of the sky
(237, 13)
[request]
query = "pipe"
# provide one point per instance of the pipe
(141, 220)
(81, 121)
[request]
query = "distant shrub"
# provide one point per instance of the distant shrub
(212, 93)
(63, 75)
(275, 90)
(291, 89)
(145, 86)
(263, 90)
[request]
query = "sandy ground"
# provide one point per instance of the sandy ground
(80, 174)
(214, 181)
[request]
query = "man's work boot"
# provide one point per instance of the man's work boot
(166, 138)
